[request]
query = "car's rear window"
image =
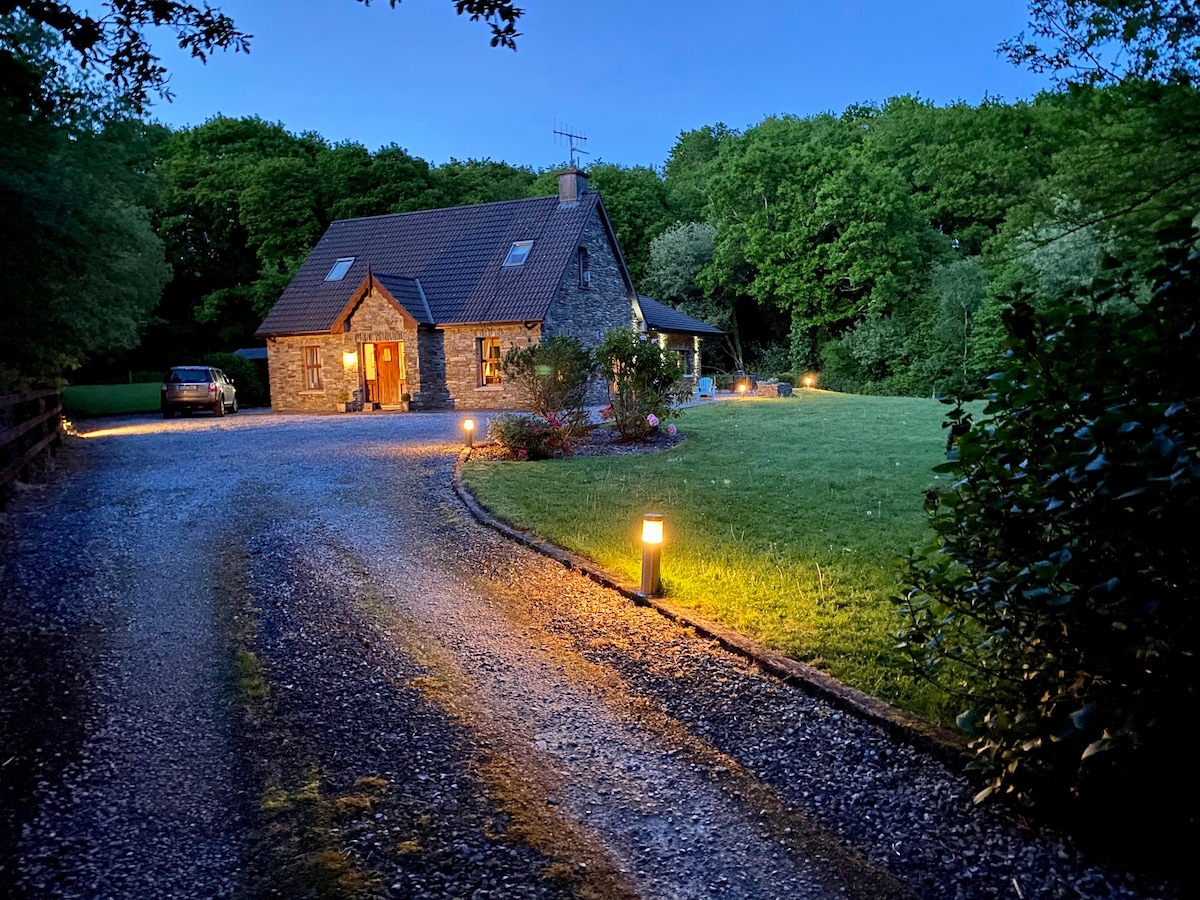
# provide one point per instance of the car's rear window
(186, 376)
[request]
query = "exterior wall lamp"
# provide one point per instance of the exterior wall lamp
(652, 540)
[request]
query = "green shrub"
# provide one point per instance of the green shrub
(1060, 593)
(529, 437)
(250, 391)
(553, 379)
(647, 382)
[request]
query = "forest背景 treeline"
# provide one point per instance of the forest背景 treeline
(874, 247)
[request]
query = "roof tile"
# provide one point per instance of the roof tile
(456, 254)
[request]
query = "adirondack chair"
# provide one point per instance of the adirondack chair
(704, 388)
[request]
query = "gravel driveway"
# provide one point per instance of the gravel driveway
(272, 656)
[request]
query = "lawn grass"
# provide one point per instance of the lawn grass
(110, 399)
(783, 518)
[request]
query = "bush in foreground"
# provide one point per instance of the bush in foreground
(1059, 596)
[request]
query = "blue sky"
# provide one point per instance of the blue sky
(631, 75)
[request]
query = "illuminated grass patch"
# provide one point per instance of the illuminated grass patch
(782, 521)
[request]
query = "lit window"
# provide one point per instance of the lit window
(340, 268)
(312, 369)
(518, 253)
(489, 361)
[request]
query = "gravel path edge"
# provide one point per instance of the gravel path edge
(940, 742)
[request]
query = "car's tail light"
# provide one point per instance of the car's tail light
(212, 388)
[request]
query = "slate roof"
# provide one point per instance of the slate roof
(660, 317)
(444, 266)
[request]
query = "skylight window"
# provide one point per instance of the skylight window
(340, 268)
(518, 253)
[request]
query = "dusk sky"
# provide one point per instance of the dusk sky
(630, 75)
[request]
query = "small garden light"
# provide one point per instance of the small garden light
(808, 381)
(742, 388)
(469, 433)
(652, 539)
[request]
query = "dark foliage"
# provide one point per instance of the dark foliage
(250, 389)
(1059, 595)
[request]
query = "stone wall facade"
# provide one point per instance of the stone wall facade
(375, 320)
(464, 373)
(589, 312)
(286, 369)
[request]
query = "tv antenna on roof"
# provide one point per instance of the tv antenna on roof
(573, 138)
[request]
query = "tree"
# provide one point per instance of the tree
(240, 212)
(464, 182)
(678, 257)
(689, 168)
(80, 265)
(1097, 41)
(967, 166)
(1058, 597)
(114, 42)
(810, 223)
(959, 289)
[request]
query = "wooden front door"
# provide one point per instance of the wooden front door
(389, 364)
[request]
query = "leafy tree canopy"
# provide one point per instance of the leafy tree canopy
(113, 40)
(1098, 41)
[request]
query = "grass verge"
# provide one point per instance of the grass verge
(110, 399)
(783, 518)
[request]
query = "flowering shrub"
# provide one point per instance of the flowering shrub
(646, 380)
(530, 437)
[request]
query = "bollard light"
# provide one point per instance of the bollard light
(808, 381)
(469, 433)
(652, 540)
(742, 389)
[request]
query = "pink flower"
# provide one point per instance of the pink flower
(671, 429)
(522, 453)
(653, 420)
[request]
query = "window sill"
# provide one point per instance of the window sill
(490, 387)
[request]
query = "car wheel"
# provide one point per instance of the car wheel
(168, 413)
(234, 408)
(219, 406)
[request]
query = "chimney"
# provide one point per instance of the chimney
(572, 184)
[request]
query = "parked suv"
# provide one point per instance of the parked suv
(186, 388)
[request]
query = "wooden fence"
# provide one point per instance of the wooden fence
(30, 430)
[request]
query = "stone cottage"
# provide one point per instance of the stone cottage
(421, 307)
